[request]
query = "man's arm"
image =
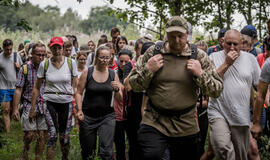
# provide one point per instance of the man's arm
(17, 95)
(16, 102)
(230, 58)
(140, 77)
(209, 81)
(262, 90)
(35, 93)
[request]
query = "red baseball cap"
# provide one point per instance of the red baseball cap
(56, 40)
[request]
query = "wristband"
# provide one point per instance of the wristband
(116, 90)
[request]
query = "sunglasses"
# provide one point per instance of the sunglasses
(231, 43)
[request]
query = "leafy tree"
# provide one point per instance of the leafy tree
(9, 23)
(213, 14)
(99, 19)
(45, 20)
(139, 12)
(70, 20)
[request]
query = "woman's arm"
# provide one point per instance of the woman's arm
(118, 88)
(79, 93)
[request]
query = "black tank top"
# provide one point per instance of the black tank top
(98, 96)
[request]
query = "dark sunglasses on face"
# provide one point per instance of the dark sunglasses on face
(231, 43)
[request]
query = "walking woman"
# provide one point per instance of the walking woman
(96, 113)
(121, 41)
(60, 74)
(81, 58)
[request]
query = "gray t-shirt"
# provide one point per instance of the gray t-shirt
(8, 71)
(58, 80)
(90, 59)
(265, 73)
(234, 102)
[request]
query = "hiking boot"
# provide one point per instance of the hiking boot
(65, 152)
(50, 153)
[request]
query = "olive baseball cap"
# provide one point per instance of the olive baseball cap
(177, 23)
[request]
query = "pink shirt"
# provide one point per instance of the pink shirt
(119, 110)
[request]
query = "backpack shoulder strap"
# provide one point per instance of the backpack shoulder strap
(158, 47)
(25, 70)
(69, 61)
(194, 51)
(111, 74)
(90, 72)
(46, 66)
(15, 57)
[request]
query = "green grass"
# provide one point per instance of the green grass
(13, 144)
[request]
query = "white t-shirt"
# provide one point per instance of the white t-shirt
(233, 105)
(7, 71)
(58, 80)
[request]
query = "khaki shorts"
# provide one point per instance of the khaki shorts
(38, 124)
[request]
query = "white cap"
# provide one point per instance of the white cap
(149, 37)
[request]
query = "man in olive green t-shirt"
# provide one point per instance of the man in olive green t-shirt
(171, 80)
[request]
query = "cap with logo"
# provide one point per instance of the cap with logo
(247, 31)
(177, 23)
(56, 40)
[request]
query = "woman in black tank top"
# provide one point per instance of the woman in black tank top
(96, 113)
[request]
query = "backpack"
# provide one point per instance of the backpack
(25, 71)
(215, 48)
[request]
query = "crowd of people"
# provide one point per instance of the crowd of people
(159, 97)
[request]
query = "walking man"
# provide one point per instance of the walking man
(10, 63)
(171, 79)
(23, 93)
(229, 115)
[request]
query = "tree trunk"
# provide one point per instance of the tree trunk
(219, 4)
(249, 17)
(177, 6)
(228, 5)
(260, 20)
